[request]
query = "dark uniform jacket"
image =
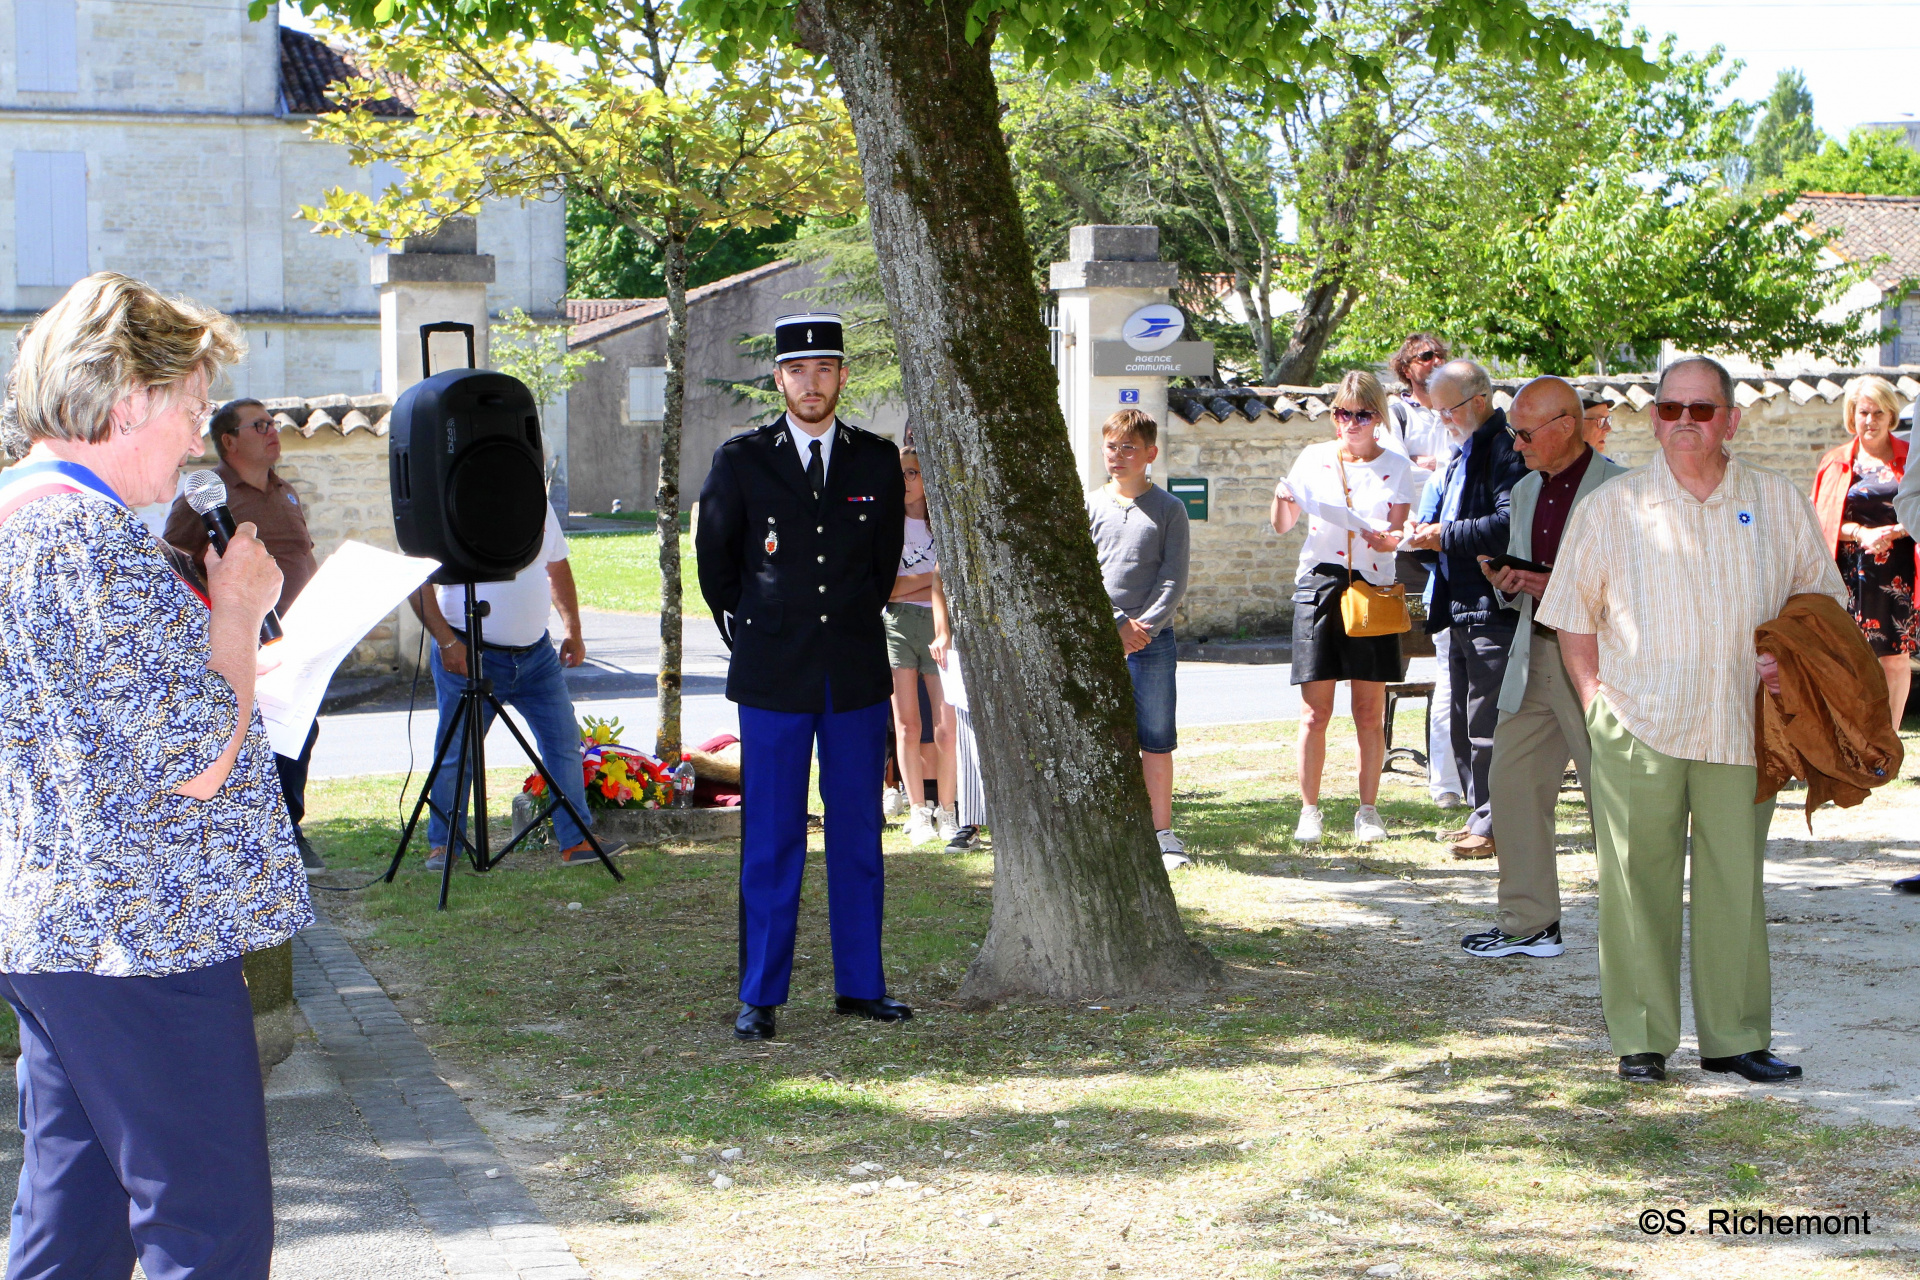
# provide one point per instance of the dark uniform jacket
(797, 586)
(1462, 596)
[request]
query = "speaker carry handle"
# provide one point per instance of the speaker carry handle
(443, 326)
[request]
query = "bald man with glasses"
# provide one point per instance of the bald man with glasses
(1665, 574)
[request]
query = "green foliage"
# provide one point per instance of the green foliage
(1871, 162)
(1257, 47)
(1588, 220)
(1785, 132)
(605, 259)
(536, 353)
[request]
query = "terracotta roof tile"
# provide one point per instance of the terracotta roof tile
(1871, 226)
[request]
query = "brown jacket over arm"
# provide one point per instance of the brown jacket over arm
(1829, 723)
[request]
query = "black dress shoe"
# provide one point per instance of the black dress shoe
(885, 1009)
(1909, 885)
(1643, 1068)
(1760, 1066)
(754, 1023)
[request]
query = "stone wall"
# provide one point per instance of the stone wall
(1243, 441)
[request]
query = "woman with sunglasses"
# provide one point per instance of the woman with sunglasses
(1351, 470)
(1853, 495)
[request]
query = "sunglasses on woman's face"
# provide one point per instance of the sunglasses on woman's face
(1361, 416)
(1670, 410)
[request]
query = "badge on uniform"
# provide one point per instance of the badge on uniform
(773, 537)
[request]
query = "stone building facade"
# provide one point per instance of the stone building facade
(1242, 441)
(168, 142)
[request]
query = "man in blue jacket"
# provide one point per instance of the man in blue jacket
(1473, 522)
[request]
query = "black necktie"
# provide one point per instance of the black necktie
(817, 472)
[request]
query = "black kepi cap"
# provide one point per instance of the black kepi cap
(814, 333)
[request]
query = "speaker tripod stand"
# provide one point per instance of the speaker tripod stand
(468, 726)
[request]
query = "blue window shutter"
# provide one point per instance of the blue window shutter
(47, 45)
(49, 217)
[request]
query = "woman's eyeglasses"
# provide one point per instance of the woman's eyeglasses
(1670, 410)
(1361, 416)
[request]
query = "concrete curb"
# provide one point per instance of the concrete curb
(485, 1228)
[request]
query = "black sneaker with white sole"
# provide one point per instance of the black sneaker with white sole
(1494, 943)
(965, 840)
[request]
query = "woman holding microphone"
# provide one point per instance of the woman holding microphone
(144, 845)
(1350, 472)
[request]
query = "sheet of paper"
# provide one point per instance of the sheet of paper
(1341, 517)
(356, 587)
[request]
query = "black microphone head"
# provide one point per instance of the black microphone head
(205, 491)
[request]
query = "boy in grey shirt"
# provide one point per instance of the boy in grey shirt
(1140, 532)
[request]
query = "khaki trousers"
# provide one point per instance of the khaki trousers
(1643, 804)
(1531, 749)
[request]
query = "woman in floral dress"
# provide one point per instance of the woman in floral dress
(1853, 493)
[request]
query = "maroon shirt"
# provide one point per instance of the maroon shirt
(1555, 505)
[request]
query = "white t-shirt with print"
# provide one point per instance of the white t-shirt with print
(1374, 487)
(916, 555)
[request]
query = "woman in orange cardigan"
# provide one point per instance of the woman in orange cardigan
(1853, 495)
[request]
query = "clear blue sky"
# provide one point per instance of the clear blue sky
(1861, 60)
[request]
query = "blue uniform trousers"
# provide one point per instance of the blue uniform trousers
(775, 747)
(145, 1128)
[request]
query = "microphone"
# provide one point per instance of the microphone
(207, 494)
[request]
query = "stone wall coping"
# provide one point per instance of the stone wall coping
(1635, 390)
(345, 414)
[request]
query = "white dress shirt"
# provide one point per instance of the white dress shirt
(804, 444)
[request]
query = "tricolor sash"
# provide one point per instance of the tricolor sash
(28, 481)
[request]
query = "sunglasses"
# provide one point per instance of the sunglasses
(1526, 436)
(1426, 357)
(1361, 416)
(1670, 410)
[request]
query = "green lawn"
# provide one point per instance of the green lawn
(620, 572)
(1348, 1098)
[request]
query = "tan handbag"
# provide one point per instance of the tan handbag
(1367, 610)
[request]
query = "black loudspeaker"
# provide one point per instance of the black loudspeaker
(465, 472)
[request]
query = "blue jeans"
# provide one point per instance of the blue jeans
(1153, 669)
(532, 684)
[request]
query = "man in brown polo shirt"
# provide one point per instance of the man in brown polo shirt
(248, 443)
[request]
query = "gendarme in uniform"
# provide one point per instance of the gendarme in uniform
(799, 541)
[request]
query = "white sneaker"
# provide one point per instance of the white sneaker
(945, 826)
(1169, 842)
(1367, 826)
(1175, 861)
(1308, 832)
(893, 803)
(920, 827)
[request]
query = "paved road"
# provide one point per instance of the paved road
(618, 680)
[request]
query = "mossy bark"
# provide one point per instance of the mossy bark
(1081, 905)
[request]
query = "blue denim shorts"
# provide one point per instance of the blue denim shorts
(1153, 669)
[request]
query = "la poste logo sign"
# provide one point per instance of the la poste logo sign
(1154, 327)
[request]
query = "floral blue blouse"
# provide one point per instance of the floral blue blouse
(107, 705)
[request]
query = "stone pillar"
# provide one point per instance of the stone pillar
(1109, 275)
(269, 976)
(428, 279)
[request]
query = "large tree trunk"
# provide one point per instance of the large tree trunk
(667, 745)
(1081, 904)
